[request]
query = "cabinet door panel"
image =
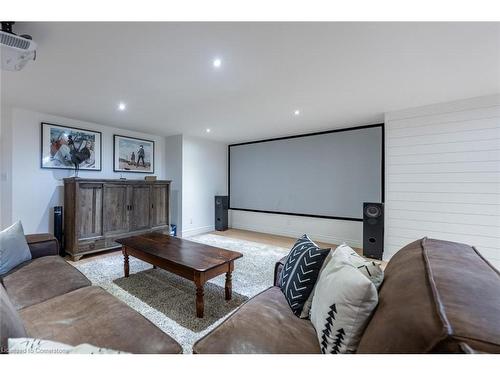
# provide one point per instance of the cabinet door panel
(116, 216)
(141, 203)
(159, 205)
(89, 219)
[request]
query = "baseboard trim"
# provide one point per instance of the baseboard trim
(295, 234)
(195, 231)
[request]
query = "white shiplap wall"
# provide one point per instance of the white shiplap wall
(443, 175)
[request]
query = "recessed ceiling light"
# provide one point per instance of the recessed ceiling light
(296, 112)
(217, 63)
(208, 130)
(122, 106)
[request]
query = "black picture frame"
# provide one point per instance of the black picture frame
(116, 169)
(43, 155)
(382, 177)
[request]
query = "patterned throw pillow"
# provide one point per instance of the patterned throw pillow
(343, 302)
(300, 272)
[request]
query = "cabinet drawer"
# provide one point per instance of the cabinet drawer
(90, 245)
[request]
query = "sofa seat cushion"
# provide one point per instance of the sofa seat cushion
(437, 297)
(91, 315)
(40, 279)
(11, 325)
(264, 324)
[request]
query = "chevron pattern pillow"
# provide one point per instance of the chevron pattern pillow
(301, 271)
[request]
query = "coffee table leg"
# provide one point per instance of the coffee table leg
(229, 286)
(125, 262)
(200, 304)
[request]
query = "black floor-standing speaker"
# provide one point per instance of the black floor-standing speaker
(58, 228)
(221, 212)
(373, 230)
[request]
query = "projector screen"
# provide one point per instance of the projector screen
(327, 174)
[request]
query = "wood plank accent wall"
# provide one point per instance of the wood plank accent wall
(443, 175)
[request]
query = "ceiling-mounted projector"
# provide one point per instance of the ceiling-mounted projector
(15, 50)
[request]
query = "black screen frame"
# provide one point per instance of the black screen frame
(382, 169)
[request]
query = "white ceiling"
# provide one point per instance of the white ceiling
(337, 74)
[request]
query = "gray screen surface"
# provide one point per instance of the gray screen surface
(329, 174)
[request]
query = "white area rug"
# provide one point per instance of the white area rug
(253, 273)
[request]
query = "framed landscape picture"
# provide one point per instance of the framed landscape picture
(133, 154)
(65, 147)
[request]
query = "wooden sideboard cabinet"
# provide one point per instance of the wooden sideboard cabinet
(97, 211)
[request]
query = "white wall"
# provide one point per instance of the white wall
(443, 175)
(5, 167)
(36, 191)
(173, 172)
(204, 175)
(325, 230)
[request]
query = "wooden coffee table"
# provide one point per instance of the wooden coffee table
(188, 259)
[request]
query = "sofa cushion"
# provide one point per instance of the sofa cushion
(14, 249)
(91, 315)
(368, 267)
(436, 297)
(42, 244)
(40, 279)
(343, 302)
(264, 324)
(300, 272)
(11, 325)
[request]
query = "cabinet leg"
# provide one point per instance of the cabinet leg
(126, 268)
(76, 258)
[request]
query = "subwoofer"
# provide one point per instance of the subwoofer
(58, 228)
(373, 230)
(221, 212)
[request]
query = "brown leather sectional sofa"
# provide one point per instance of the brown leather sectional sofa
(48, 298)
(437, 297)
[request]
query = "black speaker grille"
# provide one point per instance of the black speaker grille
(373, 230)
(373, 211)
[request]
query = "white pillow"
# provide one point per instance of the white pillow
(37, 346)
(14, 249)
(343, 302)
(368, 267)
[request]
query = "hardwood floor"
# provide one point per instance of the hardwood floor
(246, 235)
(275, 240)
(269, 239)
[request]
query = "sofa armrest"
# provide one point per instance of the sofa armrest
(42, 244)
(278, 267)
